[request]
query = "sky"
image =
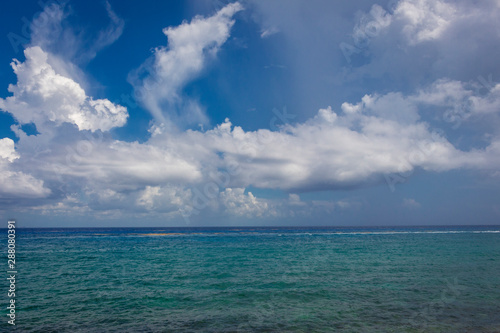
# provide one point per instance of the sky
(250, 113)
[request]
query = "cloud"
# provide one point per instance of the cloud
(411, 203)
(170, 68)
(424, 20)
(294, 199)
(43, 97)
(75, 166)
(108, 35)
(269, 32)
(117, 165)
(16, 184)
(70, 205)
(7, 150)
(166, 199)
(392, 106)
(443, 92)
(332, 151)
(426, 40)
(419, 21)
(370, 25)
(487, 104)
(237, 203)
(461, 102)
(147, 197)
(51, 32)
(380, 135)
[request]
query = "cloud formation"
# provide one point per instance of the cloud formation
(424, 20)
(415, 42)
(170, 68)
(51, 32)
(44, 97)
(377, 136)
(411, 203)
(75, 166)
(16, 184)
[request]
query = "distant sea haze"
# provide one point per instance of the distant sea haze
(387, 279)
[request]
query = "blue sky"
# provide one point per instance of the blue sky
(200, 113)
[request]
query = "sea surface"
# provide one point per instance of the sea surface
(399, 279)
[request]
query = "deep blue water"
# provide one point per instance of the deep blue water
(422, 279)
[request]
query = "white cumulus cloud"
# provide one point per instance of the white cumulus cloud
(7, 150)
(43, 97)
(238, 203)
(425, 19)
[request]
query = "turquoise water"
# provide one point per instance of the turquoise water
(258, 280)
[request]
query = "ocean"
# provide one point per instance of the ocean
(390, 279)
